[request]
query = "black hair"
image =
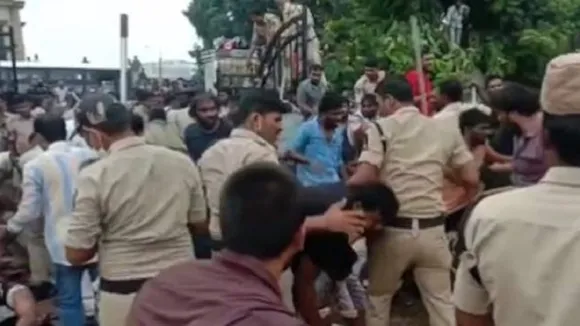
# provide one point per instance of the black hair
(316, 67)
(489, 78)
(371, 63)
(452, 89)
(143, 95)
(261, 101)
(564, 135)
(157, 114)
(370, 98)
(397, 87)
(261, 11)
(193, 105)
(260, 228)
(137, 124)
(117, 119)
(50, 127)
(331, 251)
(375, 197)
(473, 117)
(330, 101)
(514, 97)
(169, 98)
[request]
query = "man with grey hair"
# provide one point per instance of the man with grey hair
(120, 213)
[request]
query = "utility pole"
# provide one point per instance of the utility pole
(10, 49)
(124, 57)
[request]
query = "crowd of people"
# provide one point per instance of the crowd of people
(188, 209)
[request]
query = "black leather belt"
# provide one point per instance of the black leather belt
(424, 223)
(122, 287)
(217, 245)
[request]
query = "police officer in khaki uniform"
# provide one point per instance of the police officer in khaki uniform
(523, 246)
(133, 207)
(258, 124)
(158, 132)
(409, 151)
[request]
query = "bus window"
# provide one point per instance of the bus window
(63, 74)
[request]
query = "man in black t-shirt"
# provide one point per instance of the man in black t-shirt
(331, 253)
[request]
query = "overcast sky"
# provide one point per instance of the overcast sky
(64, 31)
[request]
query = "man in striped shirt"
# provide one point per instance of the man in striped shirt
(48, 190)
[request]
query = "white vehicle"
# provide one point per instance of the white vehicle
(79, 77)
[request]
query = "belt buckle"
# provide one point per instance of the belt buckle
(415, 227)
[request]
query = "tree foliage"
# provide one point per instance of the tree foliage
(514, 38)
(215, 18)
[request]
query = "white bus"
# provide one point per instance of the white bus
(79, 77)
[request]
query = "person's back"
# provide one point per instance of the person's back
(517, 220)
(146, 228)
(417, 152)
(178, 120)
(523, 246)
(134, 207)
(213, 292)
(159, 132)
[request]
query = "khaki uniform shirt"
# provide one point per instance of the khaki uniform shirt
(136, 204)
(418, 147)
(159, 133)
(178, 120)
(226, 157)
(142, 111)
(526, 245)
(22, 128)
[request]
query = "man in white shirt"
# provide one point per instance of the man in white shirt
(455, 20)
(450, 100)
(367, 83)
(61, 91)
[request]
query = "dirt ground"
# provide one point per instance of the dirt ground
(409, 315)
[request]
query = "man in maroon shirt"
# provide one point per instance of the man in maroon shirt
(414, 77)
(262, 230)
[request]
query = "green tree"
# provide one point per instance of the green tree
(511, 37)
(215, 18)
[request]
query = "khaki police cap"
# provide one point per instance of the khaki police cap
(561, 86)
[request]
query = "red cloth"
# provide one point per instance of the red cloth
(413, 79)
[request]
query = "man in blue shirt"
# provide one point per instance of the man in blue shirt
(320, 141)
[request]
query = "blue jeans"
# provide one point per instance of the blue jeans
(69, 293)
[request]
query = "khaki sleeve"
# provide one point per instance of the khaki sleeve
(198, 207)
(5, 162)
(373, 153)
(460, 154)
(468, 295)
(262, 155)
(84, 229)
(213, 177)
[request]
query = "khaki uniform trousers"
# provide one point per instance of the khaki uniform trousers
(427, 254)
(114, 308)
(39, 260)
